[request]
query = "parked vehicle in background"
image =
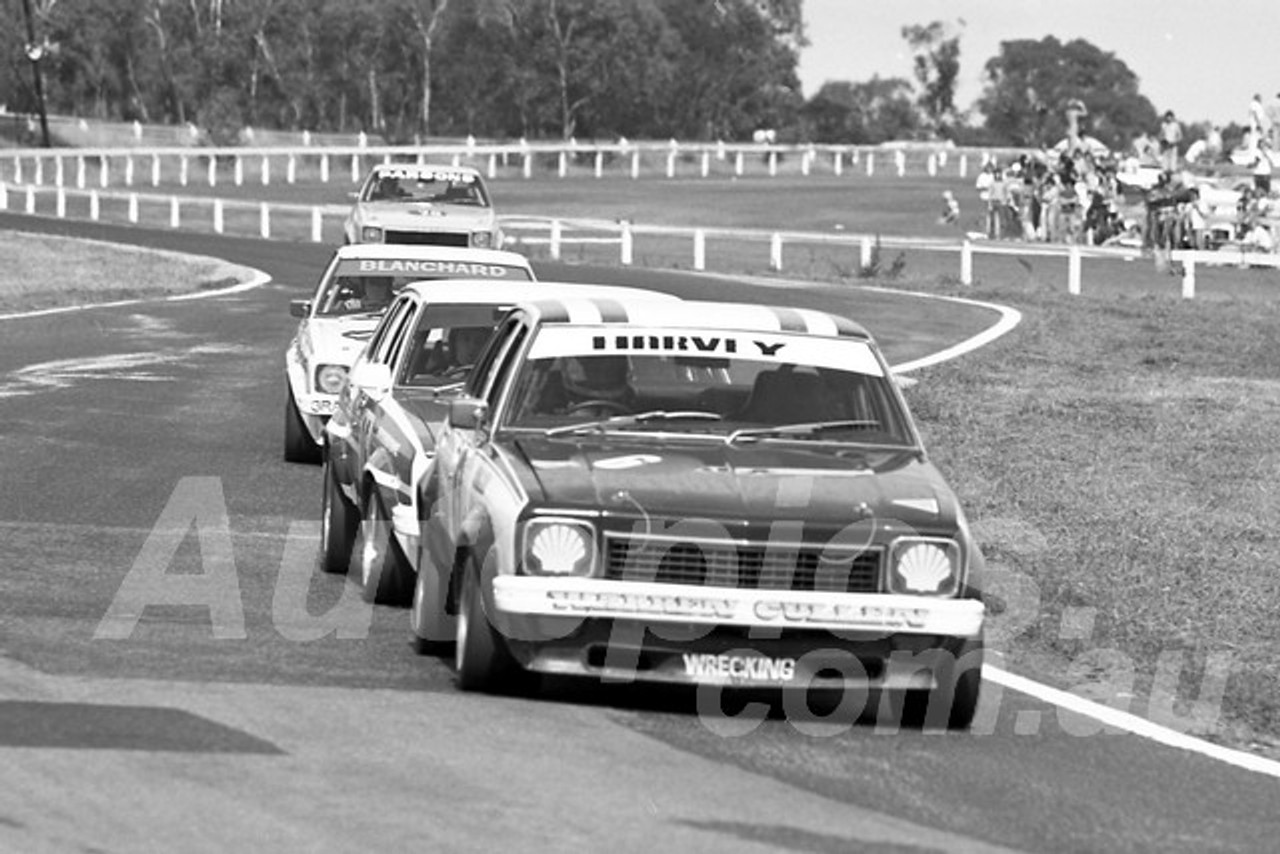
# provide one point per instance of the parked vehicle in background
(357, 285)
(425, 204)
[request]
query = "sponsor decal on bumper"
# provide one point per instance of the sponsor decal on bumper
(673, 603)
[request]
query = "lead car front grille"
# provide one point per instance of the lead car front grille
(772, 566)
(428, 238)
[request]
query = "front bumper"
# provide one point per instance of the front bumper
(627, 631)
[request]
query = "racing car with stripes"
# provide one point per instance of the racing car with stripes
(701, 493)
(355, 288)
(380, 441)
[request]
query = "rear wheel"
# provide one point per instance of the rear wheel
(385, 578)
(299, 447)
(337, 525)
(481, 656)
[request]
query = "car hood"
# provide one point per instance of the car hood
(750, 482)
(427, 216)
(335, 340)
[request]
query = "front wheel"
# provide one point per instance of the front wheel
(299, 447)
(337, 525)
(953, 703)
(483, 661)
(384, 572)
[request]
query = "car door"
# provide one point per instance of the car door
(368, 411)
(455, 463)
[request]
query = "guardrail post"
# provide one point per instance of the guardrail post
(556, 235)
(493, 165)
(865, 257)
(966, 263)
(806, 162)
(1073, 270)
(324, 168)
(1188, 277)
(931, 166)
(61, 205)
(317, 225)
(837, 163)
(671, 164)
(456, 161)
(773, 164)
(528, 164)
(4, 197)
(635, 164)
(155, 170)
(291, 170)
(737, 164)
(31, 199)
(80, 173)
(964, 165)
(17, 170)
(599, 163)
(213, 171)
(264, 221)
(706, 163)
(775, 251)
(626, 244)
(871, 164)
(128, 170)
(95, 206)
(355, 168)
(266, 170)
(183, 168)
(218, 221)
(699, 249)
(39, 170)
(239, 171)
(900, 160)
(133, 208)
(57, 171)
(175, 213)
(104, 172)
(562, 164)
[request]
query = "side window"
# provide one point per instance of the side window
(495, 381)
(479, 378)
(392, 331)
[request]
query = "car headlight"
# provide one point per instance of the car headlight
(482, 239)
(559, 547)
(370, 234)
(329, 378)
(925, 566)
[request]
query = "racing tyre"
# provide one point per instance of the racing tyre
(434, 630)
(337, 526)
(299, 447)
(483, 661)
(953, 703)
(385, 578)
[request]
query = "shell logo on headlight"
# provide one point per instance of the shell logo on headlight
(929, 567)
(559, 547)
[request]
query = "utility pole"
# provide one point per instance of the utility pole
(35, 52)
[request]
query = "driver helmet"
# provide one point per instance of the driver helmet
(466, 342)
(597, 377)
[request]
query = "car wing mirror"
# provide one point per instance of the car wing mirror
(372, 378)
(467, 413)
(299, 307)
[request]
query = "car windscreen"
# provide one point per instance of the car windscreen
(446, 342)
(413, 184)
(689, 381)
(364, 285)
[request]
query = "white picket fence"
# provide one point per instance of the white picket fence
(184, 165)
(322, 223)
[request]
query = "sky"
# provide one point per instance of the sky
(1202, 59)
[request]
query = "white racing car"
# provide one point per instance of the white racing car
(423, 203)
(355, 289)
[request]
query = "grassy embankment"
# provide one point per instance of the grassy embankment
(1117, 450)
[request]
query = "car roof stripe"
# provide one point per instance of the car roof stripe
(611, 310)
(791, 320)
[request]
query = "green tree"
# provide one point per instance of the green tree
(864, 113)
(1028, 85)
(935, 51)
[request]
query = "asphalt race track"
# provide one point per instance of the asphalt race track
(144, 442)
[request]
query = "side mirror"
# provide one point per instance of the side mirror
(372, 378)
(467, 413)
(299, 307)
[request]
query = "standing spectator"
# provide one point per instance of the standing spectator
(986, 178)
(1273, 122)
(1170, 138)
(1259, 124)
(1262, 164)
